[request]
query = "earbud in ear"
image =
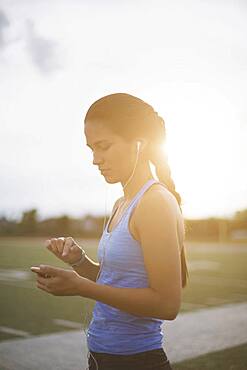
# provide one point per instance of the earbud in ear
(138, 145)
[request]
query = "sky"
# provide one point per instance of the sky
(186, 59)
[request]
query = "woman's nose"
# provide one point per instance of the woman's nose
(97, 160)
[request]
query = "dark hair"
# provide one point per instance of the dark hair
(130, 118)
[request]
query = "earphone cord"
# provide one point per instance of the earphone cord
(85, 328)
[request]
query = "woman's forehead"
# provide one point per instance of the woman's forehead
(96, 131)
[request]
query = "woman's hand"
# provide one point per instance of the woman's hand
(66, 249)
(60, 282)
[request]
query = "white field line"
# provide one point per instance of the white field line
(68, 324)
(17, 278)
(21, 333)
(10, 274)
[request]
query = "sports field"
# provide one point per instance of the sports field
(218, 276)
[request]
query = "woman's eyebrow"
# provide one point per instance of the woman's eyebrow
(97, 142)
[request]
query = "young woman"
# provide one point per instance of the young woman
(142, 267)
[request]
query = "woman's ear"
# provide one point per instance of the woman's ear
(141, 144)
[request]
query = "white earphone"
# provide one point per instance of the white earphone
(138, 145)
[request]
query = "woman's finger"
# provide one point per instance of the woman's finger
(35, 269)
(42, 279)
(43, 287)
(67, 246)
(51, 248)
(54, 246)
(60, 244)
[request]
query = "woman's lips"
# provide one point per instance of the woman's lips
(105, 171)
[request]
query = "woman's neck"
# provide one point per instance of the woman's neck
(140, 177)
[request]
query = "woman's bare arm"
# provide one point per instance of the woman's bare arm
(89, 269)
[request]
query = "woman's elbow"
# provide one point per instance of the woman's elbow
(171, 312)
(170, 315)
(173, 316)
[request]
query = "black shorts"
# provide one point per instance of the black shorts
(155, 359)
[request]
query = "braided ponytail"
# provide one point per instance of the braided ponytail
(163, 172)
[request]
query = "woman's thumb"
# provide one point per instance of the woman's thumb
(65, 251)
(67, 247)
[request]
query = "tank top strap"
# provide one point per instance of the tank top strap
(142, 191)
(136, 198)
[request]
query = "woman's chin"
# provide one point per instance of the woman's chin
(110, 179)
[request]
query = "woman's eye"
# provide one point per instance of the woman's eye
(101, 148)
(105, 147)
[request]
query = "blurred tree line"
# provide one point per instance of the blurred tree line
(209, 229)
(30, 225)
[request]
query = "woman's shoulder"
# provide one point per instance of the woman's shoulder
(152, 201)
(154, 197)
(158, 192)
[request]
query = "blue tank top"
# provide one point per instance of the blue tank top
(112, 330)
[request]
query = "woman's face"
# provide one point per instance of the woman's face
(111, 153)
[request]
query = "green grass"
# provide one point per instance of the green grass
(25, 307)
(234, 358)
(224, 282)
